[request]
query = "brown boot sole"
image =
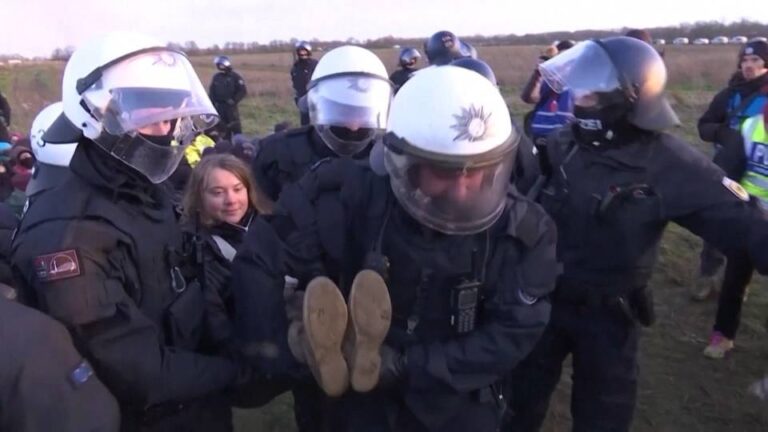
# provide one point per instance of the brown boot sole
(325, 320)
(370, 312)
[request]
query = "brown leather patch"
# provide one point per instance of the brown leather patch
(58, 265)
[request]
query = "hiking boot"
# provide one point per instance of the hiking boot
(705, 287)
(718, 346)
(370, 314)
(324, 323)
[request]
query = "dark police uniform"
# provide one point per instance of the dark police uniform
(226, 91)
(8, 223)
(285, 157)
(452, 363)
(400, 76)
(301, 74)
(611, 204)
(45, 384)
(102, 253)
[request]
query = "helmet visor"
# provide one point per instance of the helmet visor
(450, 196)
(349, 110)
(155, 156)
(150, 106)
(148, 88)
(585, 68)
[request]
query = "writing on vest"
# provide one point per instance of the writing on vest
(755, 179)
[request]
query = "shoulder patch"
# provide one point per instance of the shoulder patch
(736, 189)
(58, 265)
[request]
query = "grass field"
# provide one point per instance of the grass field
(680, 390)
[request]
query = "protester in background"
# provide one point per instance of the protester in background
(21, 161)
(745, 96)
(551, 110)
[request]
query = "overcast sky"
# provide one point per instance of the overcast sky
(39, 26)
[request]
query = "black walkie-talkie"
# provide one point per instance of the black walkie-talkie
(464, 301)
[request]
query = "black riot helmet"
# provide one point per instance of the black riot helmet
(442, 48)
(222, 63)
(619, 78)
(303, 49)
(409, 57)
(476, 65)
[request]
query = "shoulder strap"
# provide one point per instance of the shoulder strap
(225, 248)
(747, 101)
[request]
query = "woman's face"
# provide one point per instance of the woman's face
(225, 197)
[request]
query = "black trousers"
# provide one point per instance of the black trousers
(738, 274)
(229, 120)
(604, 345)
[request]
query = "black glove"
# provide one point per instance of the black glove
(393, 366)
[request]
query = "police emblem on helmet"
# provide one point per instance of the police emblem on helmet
(749, 51)
(471, 124)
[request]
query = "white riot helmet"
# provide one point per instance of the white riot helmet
(51, 154)
(348, 98)
(138, 100)
(449, 149)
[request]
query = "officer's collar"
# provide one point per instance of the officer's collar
(118, 180)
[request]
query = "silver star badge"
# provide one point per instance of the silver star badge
(471, 124)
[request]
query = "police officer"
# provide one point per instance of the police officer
(348, 102)
(301, 73)
(51, 161)
(102, 253)
(467, 262)
(407, 66)
(349, 98)
(227, 90)
(443, 47)
(45, 384)
(618, 181)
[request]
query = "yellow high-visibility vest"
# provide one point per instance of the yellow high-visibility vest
(755, 178)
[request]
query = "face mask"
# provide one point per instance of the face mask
(598, 126)
(162, 140)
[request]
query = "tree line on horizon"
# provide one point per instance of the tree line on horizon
(701, 29)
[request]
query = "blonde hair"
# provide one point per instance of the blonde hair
(193, 193)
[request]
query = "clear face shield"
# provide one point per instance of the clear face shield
(151, 106)
(456, 195)
(591, 75)
(349, 110)
(583, 70)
